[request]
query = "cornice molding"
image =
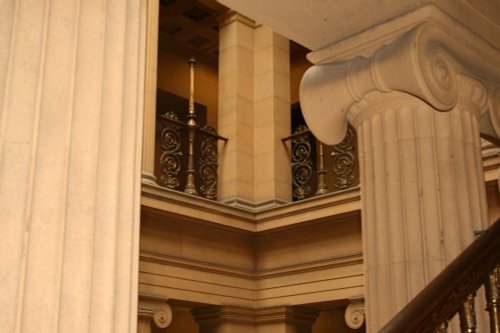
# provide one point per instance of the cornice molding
(425, 62)
(232, 16)
(163, 202)
(217, 268)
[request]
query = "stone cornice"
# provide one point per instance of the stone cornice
(425, 62)
(177, 205)
(259, 274)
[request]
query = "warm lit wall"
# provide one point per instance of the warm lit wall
(173, 76)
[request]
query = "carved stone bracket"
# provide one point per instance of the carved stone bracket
(424, 62)
(153, 310)
(355, 313)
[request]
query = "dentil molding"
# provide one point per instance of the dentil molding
(428, 62)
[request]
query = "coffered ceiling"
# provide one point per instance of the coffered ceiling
(190, 28)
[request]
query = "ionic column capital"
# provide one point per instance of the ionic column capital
(156, 310)
(429, 62)
(355, 313)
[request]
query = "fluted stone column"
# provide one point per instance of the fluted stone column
(150, 76)
(417, 105)
(71, 96)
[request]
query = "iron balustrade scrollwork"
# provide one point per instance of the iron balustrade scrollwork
(173, 165)
(344, 161)
(303, 162)
(170, 158)
(302, 170)
(173, 142)
(208, 163)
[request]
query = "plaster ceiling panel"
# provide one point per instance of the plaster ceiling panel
(319, 23)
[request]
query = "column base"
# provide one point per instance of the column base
(148, 178)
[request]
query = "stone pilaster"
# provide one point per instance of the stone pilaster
(70, 138)
(225, 318)
(417, 105)
(150, 74)
(272, 116)
(279, 319)
(254, 114)
(286, 319)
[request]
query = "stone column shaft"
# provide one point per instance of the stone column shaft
(150, 76)
(236, 116)
(272, 116)
(418, 105)
(422, 192)
(70, 138)
(254, 114)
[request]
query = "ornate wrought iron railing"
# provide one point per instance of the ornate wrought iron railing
(310, 177)
(178, 138)
(195, 173)
(453, 291)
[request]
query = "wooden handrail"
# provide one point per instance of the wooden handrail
(442, 298)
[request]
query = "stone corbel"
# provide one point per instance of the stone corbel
(355, 312)
(424, 62)
(153, 310)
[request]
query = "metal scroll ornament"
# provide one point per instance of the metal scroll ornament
(208, 164)
(170, 158)
(301, 163)
(343, 161)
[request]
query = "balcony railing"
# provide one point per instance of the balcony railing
(310, 177)
(454, 289)
(188, 156)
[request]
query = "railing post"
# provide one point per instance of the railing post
(322, 185)
(192, 127)
(467, 314)
(492, 290)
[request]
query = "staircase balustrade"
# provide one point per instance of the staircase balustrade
(453, 291)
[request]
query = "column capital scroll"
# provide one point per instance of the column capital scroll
(429, 62)
(156, 310)
(355, 313)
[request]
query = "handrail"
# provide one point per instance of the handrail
(439, 301)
